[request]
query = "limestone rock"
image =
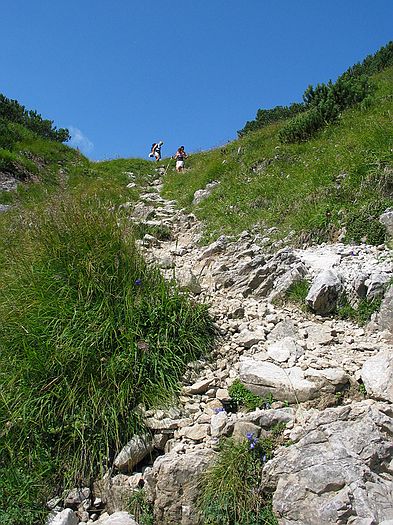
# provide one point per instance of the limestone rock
(172, 486)
(188, 281)
(323, 294)
(377, 376)
(290, 384)
(280, 351)
(337, 471)
(384, 321)
(200, 387)
(75, 497)
(218, 423)
(197, 432)
(248, 338)
(117, 518)
(387, 220)
(201, 195)
(282, 330)
(65, 517)
(132, 453)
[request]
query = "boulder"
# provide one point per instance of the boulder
(201, 195)
(172, 486)
(387, 220)
(218, 423)
(377, 376)
(75, 497)
(117, 518)
(338, 470)
(324, 292)
(187, 281)
(384, 320)
(132, 453)
(65, 517)
(289, 384)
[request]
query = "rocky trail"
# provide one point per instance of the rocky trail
(329, 382)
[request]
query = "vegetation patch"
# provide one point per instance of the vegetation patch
(242, 397)
(89, 332)
(362, 314)
(232, 490)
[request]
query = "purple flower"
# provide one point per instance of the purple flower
(252, 440)
(138, 282)
(219, 409)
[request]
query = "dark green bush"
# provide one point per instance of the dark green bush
(12, 111)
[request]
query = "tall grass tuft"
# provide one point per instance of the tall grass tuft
(232, 492)
(88, 333)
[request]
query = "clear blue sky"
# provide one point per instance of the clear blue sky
(124, 73)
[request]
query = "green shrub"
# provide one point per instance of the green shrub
(88, 333)
(232, 491)
(246, 399)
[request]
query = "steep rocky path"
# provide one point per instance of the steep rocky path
(312, 370)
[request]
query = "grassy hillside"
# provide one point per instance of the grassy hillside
(342, 178)
(88, 332)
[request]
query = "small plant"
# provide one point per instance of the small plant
(140, 508)
(245, 398)
(362, 389)
(232, 491)
(297, 292)
(362, 314)
(160, 232)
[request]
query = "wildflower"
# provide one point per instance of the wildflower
(138, 282)
(252, 440)
(219, 409)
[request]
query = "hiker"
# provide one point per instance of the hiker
(156, 150)
(180, 155)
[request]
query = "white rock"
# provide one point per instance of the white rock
(65, 517)
(377, 376)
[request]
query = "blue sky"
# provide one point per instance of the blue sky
(124, 73)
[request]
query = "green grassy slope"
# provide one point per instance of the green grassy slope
(341, 178)
(88, 331)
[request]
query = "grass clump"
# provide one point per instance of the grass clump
(232, 491)
(140, 508)
(88, 333)
(244, 398)
(297, 292)
(159, 231)
(362, 314)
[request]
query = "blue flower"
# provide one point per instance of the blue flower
(138, 282)
(219, 409)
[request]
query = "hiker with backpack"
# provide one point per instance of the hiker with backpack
(156, 150)
(180, 155)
